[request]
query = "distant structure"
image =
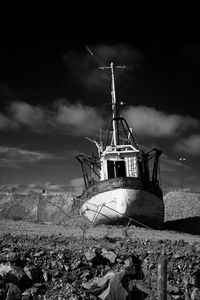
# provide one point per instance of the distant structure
(182, 181)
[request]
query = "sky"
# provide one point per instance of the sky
(53, 96)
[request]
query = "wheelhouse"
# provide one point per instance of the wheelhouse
(119, 161)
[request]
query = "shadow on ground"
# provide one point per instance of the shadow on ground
(188, 225)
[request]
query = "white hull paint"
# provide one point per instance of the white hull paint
(122, 204)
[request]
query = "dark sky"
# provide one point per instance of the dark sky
(53, 95)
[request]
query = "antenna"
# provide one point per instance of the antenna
(91, 53)
(89, 50)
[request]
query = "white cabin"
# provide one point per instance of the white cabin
(119, 161)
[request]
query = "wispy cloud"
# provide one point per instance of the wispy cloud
(13, 157)
(74, 119)
(171, 171)
(78, 118)
(36, 187)
(4, 122)
(77, 185)
(22, 114)
(168, 164)
(190, 145)
(172, 165)
(50, 187)
(148, 121)
(25, 114)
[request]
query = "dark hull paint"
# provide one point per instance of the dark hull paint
(122, 182)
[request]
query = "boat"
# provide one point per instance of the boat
(121, 184)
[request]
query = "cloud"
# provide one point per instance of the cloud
(22, 114)
(168, 164)
(35, 187)
(57, 188)
(73, 119)
(172, 166)
(77, 185)
(26, 114)
(4, 122)
(12, 156)
(190, 145)
(78, 118)
(171, 173)
(148, 121)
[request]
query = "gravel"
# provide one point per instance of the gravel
(77, 261)
(181, 205)
(58, 267)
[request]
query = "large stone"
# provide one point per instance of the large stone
(13, 293)
(34, 273)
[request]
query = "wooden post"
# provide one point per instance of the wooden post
(162, 280)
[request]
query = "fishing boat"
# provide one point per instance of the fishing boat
(121, 180)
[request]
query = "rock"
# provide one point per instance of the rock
(10, 256)
(3, 293)
(39, 254)
(99, 259)
(115, 289)
(53, 264)
(13, 293)
(46, 276)
(55, 272)
(2, 282)
(195, 280)
(26, 295)
(129, 266)
(90, 254)
(34, 273)
(4, 269)
(110, 255)
(195, 295)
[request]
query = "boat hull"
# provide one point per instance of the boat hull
(122, 201)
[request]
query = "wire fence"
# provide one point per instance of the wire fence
(41, 208)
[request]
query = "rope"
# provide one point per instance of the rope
(99, 213)
(130, 219)
(53, 204)
(104, 205)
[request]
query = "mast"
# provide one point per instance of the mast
(115, 113)
(114, 108)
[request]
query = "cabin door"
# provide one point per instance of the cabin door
(120, 168)
(111, 170)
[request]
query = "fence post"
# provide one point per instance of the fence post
(162, 279)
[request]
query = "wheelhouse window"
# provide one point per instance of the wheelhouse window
(132, 168)
(116, 168)
(120, 168)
